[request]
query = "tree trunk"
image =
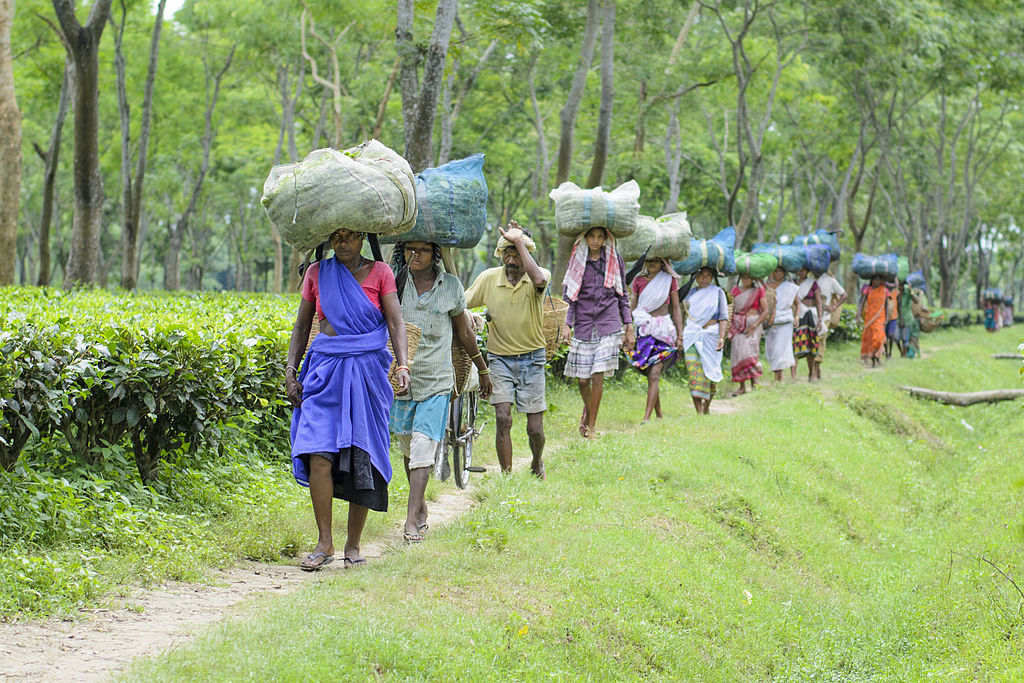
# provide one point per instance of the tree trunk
(172, 257)
(568, 126)
(955, 399)
(50, 158)
(131, 188)
(604, 118)
(419, 104)
(82, 44)
(182, 225)
(10, 149)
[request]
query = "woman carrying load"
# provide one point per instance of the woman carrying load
(810, 318)
(658, 317)
(871, 312)
(750, 311)
(342, 397)
(778, 343)
(599, 321)
(436, 302)
(707, 317)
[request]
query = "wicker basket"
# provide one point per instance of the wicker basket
(555, 311)
(412, 333)
(462, 364)
(928, 324)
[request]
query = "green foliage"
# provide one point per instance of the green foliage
(829, 531)
(162, 379)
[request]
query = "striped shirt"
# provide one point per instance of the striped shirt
(431, 370)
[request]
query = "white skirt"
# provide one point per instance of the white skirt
(778, 344)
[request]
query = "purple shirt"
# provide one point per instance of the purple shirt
(598, 311)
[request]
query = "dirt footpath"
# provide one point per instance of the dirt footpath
(104, 641)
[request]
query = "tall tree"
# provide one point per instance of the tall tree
(131, 186)
(50, 157)
(82, 43)
(176, 229)
(10, 149)
(419, 96)
(567, 116)
(603, 138)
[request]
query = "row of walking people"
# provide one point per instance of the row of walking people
(345, 411)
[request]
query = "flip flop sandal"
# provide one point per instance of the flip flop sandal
(423, 529)
(307, 566)
(412, 538)
(358, 562)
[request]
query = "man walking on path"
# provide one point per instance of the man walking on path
(513, 294)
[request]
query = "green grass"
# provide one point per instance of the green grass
(833, 532)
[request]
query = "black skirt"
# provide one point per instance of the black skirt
(355, 478)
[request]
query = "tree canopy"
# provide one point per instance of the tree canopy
(892, 121)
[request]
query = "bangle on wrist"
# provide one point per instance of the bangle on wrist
(485, 371)
(478, 354)
(402, 367)
(292, 368)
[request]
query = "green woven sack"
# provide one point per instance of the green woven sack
(668, 237)
(757, 266)
(368, 188)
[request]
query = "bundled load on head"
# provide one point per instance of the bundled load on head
(368, 188)
(902, 268)
(665, 237)
(578, 210)
(916, 279)
(817, 257)
(717, 253)
(451, 205)
(992, 294)
(825, 237)
(793, 257)
(757, 266)
(885, 266)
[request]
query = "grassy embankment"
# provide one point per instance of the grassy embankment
(835, 532)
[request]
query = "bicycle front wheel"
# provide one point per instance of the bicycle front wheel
(459, 442)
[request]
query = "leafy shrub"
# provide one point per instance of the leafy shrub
(167, 377)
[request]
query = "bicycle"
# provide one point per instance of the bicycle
(456, 453)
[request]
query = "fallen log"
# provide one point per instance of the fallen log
(1008, 356)
(967, 399)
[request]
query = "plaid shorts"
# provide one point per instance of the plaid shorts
(587, 358)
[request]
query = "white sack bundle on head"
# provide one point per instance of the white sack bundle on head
(368, 188)
(578, 210)
(668, 237)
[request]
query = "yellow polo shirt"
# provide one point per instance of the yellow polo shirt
(517, 319)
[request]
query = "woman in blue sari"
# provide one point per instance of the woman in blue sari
(342, 396)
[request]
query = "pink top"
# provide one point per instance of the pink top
(758, 297)
(378, 284)
(640, 282)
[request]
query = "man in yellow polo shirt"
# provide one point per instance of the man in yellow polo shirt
(513, 294)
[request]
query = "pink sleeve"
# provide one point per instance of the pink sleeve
(674, 287)
(311, 283)
(635, 287)
(387, 279)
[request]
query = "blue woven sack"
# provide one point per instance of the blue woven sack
(916, 279)
(451, 205)
(791, 257)
(716, 252)
(830, 239)
(866, 266)
(817, 257)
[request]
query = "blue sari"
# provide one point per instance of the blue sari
(346, 396)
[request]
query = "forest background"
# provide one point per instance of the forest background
(896, 122)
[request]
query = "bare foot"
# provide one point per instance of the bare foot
(537, 468)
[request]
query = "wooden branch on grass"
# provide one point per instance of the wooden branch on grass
(956, 399)
(1013, 356)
